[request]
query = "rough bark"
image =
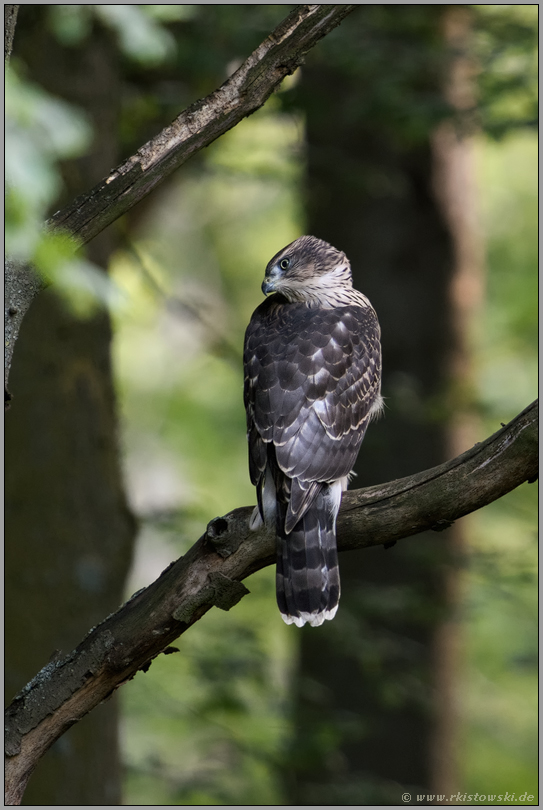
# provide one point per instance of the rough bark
(10, 21)
(211, 573)
(21, 285)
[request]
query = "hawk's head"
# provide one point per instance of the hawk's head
(307, 270)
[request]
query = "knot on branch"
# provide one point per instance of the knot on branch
(220, 591)
(218, 534)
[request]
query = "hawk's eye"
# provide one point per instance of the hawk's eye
(284, 263)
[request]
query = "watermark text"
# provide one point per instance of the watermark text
(462, 798)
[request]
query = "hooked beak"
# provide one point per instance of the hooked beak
(270, 280)
(268, 286)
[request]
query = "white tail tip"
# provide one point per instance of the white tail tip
(313, 619)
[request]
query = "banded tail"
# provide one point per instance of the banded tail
(307, 579)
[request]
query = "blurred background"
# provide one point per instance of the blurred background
(408, 139)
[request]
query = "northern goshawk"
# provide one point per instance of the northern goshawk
(312, 362)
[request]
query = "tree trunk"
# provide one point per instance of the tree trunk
(374, 705)
(69, 533)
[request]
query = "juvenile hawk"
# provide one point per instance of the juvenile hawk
(312, 363)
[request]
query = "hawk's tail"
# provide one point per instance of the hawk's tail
(307, 579)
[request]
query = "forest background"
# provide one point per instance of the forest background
(338, 152)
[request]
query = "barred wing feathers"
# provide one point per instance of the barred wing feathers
(312, 379)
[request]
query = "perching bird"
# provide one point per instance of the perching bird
(312, 362)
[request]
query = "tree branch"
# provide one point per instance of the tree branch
(198, 126)
(10, 21)
(203, 122)
(211, 573)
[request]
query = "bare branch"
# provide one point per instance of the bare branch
(203, 122)
(211, 573)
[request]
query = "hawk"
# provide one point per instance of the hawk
(312, 363)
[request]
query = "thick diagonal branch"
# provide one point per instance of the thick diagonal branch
(210, 575)
(203, 122)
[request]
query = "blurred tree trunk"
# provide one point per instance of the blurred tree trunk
(374, 706)
(69, 533)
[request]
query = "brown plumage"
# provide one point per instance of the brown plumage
(312, 363)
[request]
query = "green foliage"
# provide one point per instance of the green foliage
(138, 28)
(225, 219)
(508, 333)
(500, 736)
(210, 725)
(500, 686)
(213, 716)
(40, 131)
(43, 131)
(391, 58)
(505, 50)
(400, 68)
